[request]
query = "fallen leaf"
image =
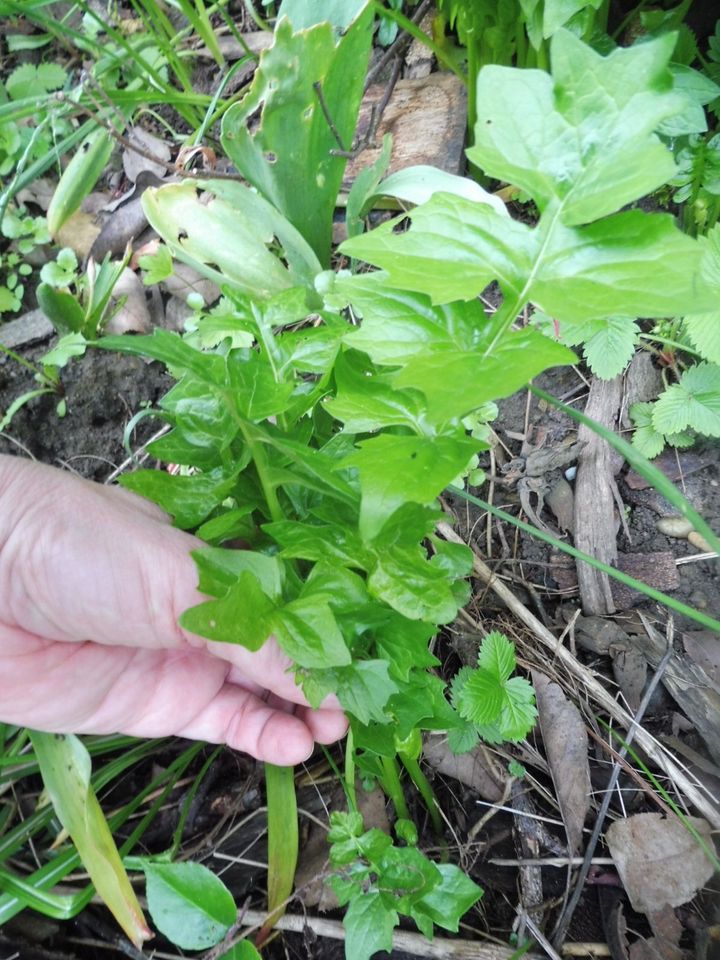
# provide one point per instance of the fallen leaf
(659, 860)
(566, 747)
(703, 646)
(665, 944)
(134, 315)
(474, 768)
(135, 163)
(630, 672)
(79, 232)
(186, 279)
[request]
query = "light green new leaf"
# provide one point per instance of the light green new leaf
(189, 904)
(585, 136)
(646, 438)
(290, 157)
(693, 402)
(65, 767)
(29, 80)
(454, 248)
(609, 343)
(556, 13)
(451, 899)
(308, 632)
(418, 184)
(410, 584)
(394, 470)
(368, 926)
(481, 698)
(704, 332)
(79, 177)
(519, 713)
(457, 383)
(243, 615)
(364, 688)
(497, 656)
(189, 499)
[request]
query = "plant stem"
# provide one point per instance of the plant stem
(350, 771)
(283, 840)
(426, 791)
(392, 786)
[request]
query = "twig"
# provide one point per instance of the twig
(397, 48)
(605, 700)
(408, 942)
(566, 916)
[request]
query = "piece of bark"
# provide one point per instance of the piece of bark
(658, 570)
(595, 500)
(689, 686)
(419, 57)
(31, 327)
(642, 382)
(426, 119)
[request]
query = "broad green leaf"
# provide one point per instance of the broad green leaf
(228, 243)
(394, 470)
(497, 656)
(67, 347)
(255, 392)
(398, 324)
(170, 349)
(457, 383)
(364, 688)
(282, 823)
(61, 308)
(308, 632)
(308, 13)
(585, 136)
(365, 403)
(463, 739)
(316, 541)
(187, 499)
(410, 584)
(693, 402)
(219, 569)
(449, 900)
(418, 184)
(79, 177)
(201, 415)
(189, 904)
(65, 767)
(696, 89)
(556, 13)
(297, 76)
(368, 926)
(631, 264)
(453, 249)
(243, 615)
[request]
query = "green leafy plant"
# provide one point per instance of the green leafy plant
(379, 881)
(496, 705)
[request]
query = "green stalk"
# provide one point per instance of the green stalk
(283, 841)
(425, 790)
(349, 778)
(393, 788)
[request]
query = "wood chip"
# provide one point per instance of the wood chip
(427, 120)
(594, 499)
(658, 570)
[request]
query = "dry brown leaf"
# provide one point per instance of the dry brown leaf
(630, 671)
(665, 944)
(79, 232)
(566, 747)
(185, 279)
(659, 861)
(474, 768)
(134, 163)
(134, 315)
(703, 647)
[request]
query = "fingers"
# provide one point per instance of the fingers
(86, 688)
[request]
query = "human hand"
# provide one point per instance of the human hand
(92, 582)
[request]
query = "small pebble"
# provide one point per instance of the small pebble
(571, 473)
(677, 527)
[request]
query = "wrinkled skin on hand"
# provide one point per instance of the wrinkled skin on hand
(92, 582)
